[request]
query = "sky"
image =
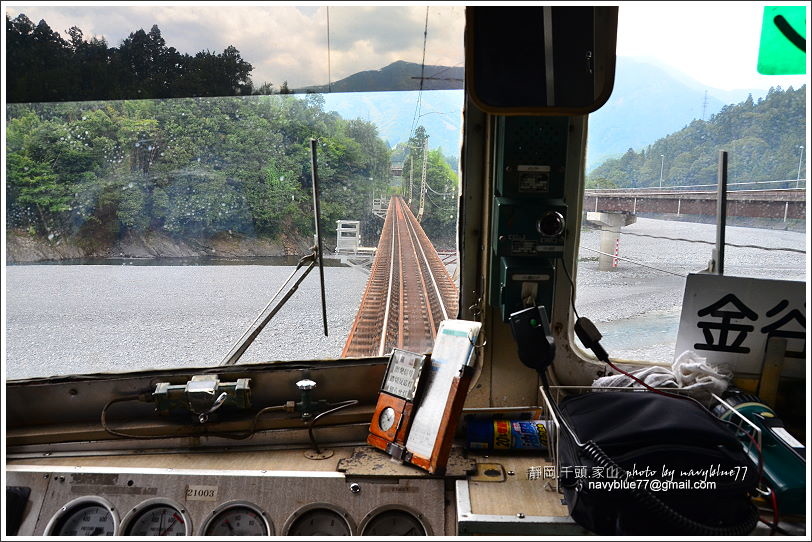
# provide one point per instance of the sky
(715, 43)
(283, 43)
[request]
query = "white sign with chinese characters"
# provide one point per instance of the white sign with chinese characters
(729, 319)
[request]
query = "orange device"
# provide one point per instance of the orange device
(400, 391)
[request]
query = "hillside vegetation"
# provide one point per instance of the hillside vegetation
(763, 140)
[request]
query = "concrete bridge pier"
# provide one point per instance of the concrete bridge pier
(610, 224)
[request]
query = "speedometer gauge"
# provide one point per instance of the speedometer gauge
(318, 520)
(237, 518)
(85, 516)
(391, 521)
(157, 517)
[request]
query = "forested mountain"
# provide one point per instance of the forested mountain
(648, 101)
(763, 139)
(399, 75)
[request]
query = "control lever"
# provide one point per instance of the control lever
(531, 331)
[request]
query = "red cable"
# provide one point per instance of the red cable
(661, 392)
(776, 515)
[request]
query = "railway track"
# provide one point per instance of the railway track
(408, 293)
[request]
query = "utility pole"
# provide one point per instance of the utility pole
(423, 181)
(662, 163)
(704, 105)
(411, 171)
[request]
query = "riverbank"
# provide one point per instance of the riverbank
(23, 247)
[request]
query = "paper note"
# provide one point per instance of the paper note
(453, 350)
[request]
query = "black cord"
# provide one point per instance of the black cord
(774, 528)
(648, 499)
(572, 289)
(142, 398)
(591, 339)
(118, 433)
(341, 405)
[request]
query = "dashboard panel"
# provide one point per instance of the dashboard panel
(165, 502)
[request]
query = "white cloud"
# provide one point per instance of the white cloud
(281, 42)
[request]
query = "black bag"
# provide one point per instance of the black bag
(635, 435)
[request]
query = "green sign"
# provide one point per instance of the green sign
(782, 50)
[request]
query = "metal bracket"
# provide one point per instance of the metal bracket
(202, 395)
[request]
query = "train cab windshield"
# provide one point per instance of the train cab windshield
(176, 207)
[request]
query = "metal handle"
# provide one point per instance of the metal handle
(203, 417)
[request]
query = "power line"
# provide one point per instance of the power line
(439, 193)
(329, 76)
(422, 72)
(634, 262)
(784, 249)
(446, 207)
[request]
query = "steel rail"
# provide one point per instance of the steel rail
(417, 240)
(421, 272)
(400, 306)
(385, 325)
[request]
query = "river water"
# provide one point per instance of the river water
(133, 315)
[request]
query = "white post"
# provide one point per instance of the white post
(800, 161)
(617, 251)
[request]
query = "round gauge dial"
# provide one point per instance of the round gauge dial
(386, 419)
(157, 519)
(394, 523)
(237, 520)
(84, 517)
(319, 522)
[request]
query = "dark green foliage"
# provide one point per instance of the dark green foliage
(440, 199)
(188, 167)
(43, 67)
(763, 140)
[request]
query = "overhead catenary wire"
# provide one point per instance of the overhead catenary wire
(422, 72)
(443, 207)
(453, 192)
(329, 75)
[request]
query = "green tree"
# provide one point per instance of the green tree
(34, 186)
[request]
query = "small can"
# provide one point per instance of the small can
(502, 434)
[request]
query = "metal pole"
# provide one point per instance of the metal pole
(800, 161)
(264, 317)
(721, 213)
(317, 217)
(662, 163)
